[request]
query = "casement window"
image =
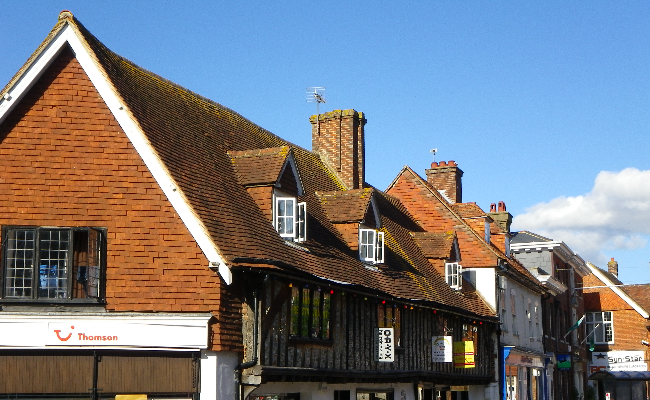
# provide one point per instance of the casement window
(371, 245)
(454, 275)
(388, 316)
(52, 264)
(311, 310)
(291, 218)
(602, 325)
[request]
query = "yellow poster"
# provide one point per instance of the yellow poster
(464, 354)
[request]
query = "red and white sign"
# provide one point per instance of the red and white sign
(115, 331)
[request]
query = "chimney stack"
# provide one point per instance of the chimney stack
(446, 176)
(337, 137)
(612, 267)
(502, 217)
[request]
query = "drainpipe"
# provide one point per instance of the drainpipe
(253, 362)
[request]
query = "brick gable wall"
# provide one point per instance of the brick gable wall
(65, 161)
(433, 216)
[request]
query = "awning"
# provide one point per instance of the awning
(621, 375)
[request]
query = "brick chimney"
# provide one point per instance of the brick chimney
(612, 267)
(502, 217)
(337, 136)
(446, 176)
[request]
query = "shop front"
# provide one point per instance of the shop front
(92, 356)
(524, 375)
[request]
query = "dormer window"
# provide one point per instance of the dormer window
(454, 275)
(371, 245)
(291, 218)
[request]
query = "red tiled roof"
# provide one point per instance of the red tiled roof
(211, 152)
(434, 244)
(468, 210)
(259, 166)
(640, 294)
(346, 206)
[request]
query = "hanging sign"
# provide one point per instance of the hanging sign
(464, 354)
(385, 348)
(441, 349)
(563, 362)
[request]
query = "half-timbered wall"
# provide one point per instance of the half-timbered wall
(350, 353)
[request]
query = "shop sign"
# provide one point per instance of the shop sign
(441, 349)
(524, 360)
(114, 332)
(464, 354)
(385, 348)
(563, 361)
(617, 361)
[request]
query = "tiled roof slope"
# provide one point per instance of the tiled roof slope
(528, 237)
(468, 210)
(192, 137)
(435, 244)
(259, 166)
(436, 214)
(640, 294)
(347, 205)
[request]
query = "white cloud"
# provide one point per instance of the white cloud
(615, 215)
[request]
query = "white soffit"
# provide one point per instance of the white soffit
(129, 125)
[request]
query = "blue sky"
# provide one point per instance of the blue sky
(544, 105)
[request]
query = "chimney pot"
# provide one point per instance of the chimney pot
(493, 207)
(452, 163)
(502, 206)
(434, 164)
(443, 163)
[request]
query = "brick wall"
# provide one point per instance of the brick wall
(433, 216)
(64, 161)
(338, 137)
(446, 176)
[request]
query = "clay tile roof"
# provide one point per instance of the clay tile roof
(640, 294)
(468, 210)
(210, 150)
(435, 245)
(259, 166)
(346, 206)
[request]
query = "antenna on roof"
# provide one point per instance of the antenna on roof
(433, 151)
(316, 94)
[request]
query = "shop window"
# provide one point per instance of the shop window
(383, 395)
(602, 325)
(52, 264)
(388, 316)
(311, 310)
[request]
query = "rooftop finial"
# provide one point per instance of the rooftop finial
(65, 14)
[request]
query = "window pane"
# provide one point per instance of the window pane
(304, 328)
(53, 263)
(295, 311)
(315, 315)
(20, 263)
(326, 315)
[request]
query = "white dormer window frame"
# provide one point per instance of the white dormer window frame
(454, 275)
(290, 218)
(371, 245)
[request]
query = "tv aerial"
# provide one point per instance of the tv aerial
(316, 95)
(434, 151)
